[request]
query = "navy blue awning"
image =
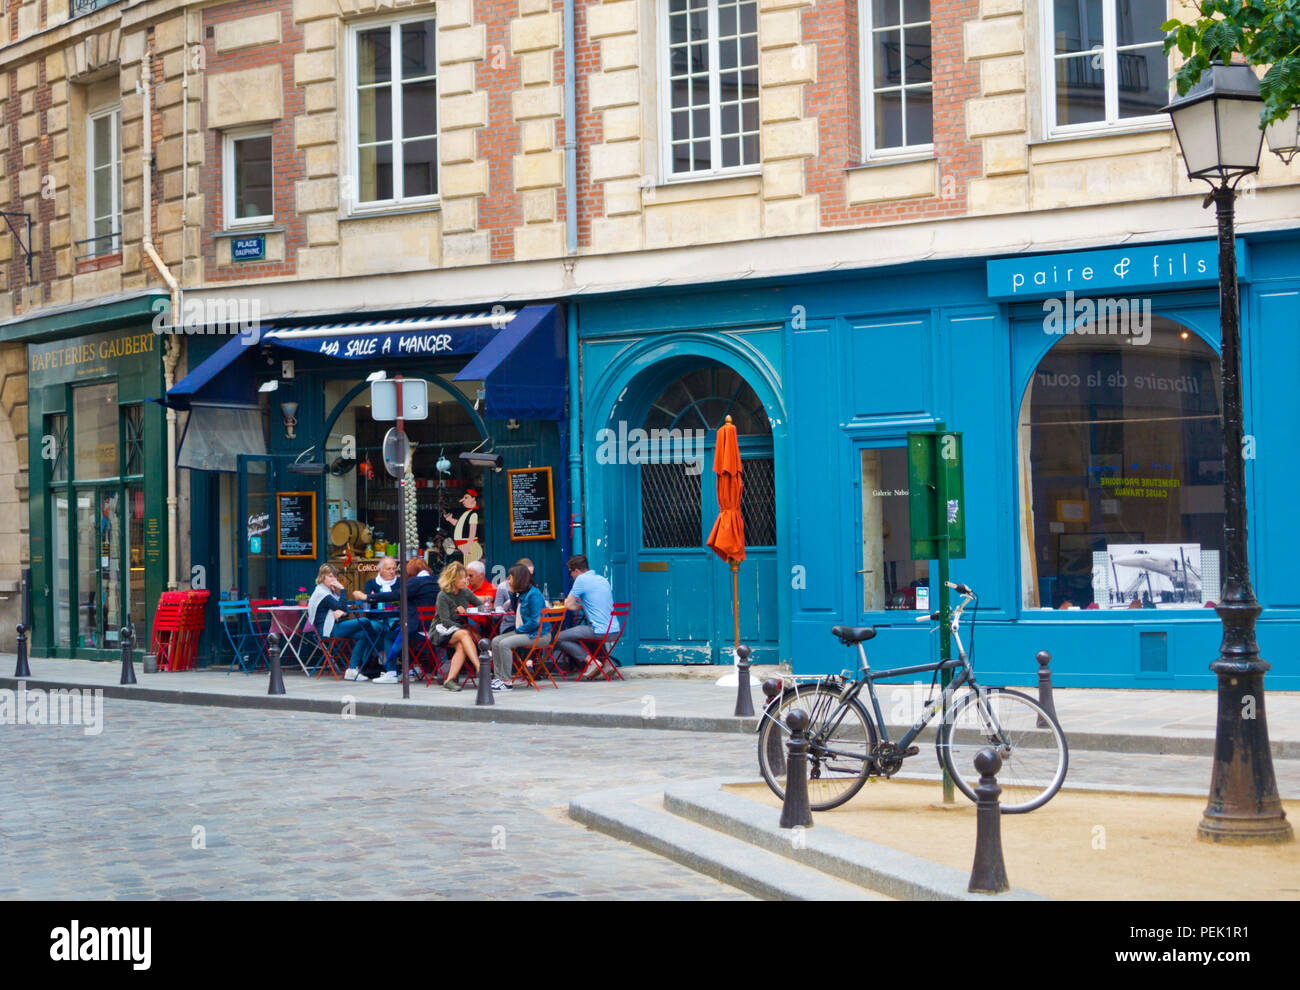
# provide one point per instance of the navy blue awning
(400, 337)
(523, 367)
(226, 378)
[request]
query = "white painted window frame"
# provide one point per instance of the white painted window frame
(92, 207)
(664, 59)
(1110, 66)
(228, 140)
(353, 206)
(867, 95)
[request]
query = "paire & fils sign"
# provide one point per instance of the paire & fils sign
(1151, 267)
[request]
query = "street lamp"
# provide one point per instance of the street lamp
(1283, 136)
(1217, 124)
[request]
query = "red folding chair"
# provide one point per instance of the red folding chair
(604, 649)
(331, 649)
(424, 656)
(193, 619)
(539, 654)
(166, 641)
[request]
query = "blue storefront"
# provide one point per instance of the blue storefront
(279, 421)
(1086, 387)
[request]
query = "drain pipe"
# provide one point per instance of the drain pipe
(571, 250)
(172, 352)
(575, 433)
(570, 133)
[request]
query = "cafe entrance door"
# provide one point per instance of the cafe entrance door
(258, 568)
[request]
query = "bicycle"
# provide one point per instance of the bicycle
(844, 748)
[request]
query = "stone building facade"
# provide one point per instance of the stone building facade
(814, 191)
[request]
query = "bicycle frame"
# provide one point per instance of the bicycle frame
(964, 676)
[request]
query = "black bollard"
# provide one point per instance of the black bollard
(128, 668)
(484, 696)
(1045, 688)
(744, 700)
(22, 670)
(795, 811)
(989, 874)
(274, 648)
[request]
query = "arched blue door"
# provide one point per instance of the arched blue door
(682, 590)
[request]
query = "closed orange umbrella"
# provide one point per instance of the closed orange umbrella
(727, 538)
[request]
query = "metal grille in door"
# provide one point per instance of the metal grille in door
(670, 506)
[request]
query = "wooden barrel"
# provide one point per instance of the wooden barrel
(349, 533)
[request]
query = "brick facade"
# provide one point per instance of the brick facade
(289, 163)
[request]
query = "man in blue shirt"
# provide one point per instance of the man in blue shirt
(592, 594)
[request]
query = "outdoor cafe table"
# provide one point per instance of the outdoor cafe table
(488, 623)
(287, 620)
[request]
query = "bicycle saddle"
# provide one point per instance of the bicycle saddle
(848, 635)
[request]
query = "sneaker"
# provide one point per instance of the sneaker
(499, 685)
(452, 686)
(354, 674)
(387, 677)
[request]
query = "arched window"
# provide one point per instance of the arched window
(685, 417)
(1121, 469)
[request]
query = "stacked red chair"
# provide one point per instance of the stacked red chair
(177, 627)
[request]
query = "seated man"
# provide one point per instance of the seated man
(484, 590)
(592, 594)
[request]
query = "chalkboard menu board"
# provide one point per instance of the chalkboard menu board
(295, 525)
(532, 504)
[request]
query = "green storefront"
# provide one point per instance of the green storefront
(98, 474)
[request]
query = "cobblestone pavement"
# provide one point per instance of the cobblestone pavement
(297, 805)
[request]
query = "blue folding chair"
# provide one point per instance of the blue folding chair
(246, 641)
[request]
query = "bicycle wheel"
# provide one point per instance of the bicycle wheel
(1034, 758)
(840, 740)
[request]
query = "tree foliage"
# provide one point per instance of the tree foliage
(1262, 32)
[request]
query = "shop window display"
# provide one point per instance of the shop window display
(1121, 472)
(364, 503)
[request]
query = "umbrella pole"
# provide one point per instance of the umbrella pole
(735, 604)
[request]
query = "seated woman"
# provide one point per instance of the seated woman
(326, 609)
(454, 600)
(507, 601)
(528, 618)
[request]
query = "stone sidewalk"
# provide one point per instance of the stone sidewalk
(667, 698)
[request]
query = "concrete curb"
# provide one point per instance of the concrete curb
(866, 864)
(622, 813)
(397, 709)
(1102, 742)
(738, 842)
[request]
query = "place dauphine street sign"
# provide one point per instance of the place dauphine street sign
(252, 248)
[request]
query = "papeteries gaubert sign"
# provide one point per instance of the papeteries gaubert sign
(87, 357)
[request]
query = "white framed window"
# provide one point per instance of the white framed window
(1104, 65)
(709, 87)
(247, 177)
(393, 91)
(897, 86)
(103, 181)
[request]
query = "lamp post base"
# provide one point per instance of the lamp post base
(1244, 808)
